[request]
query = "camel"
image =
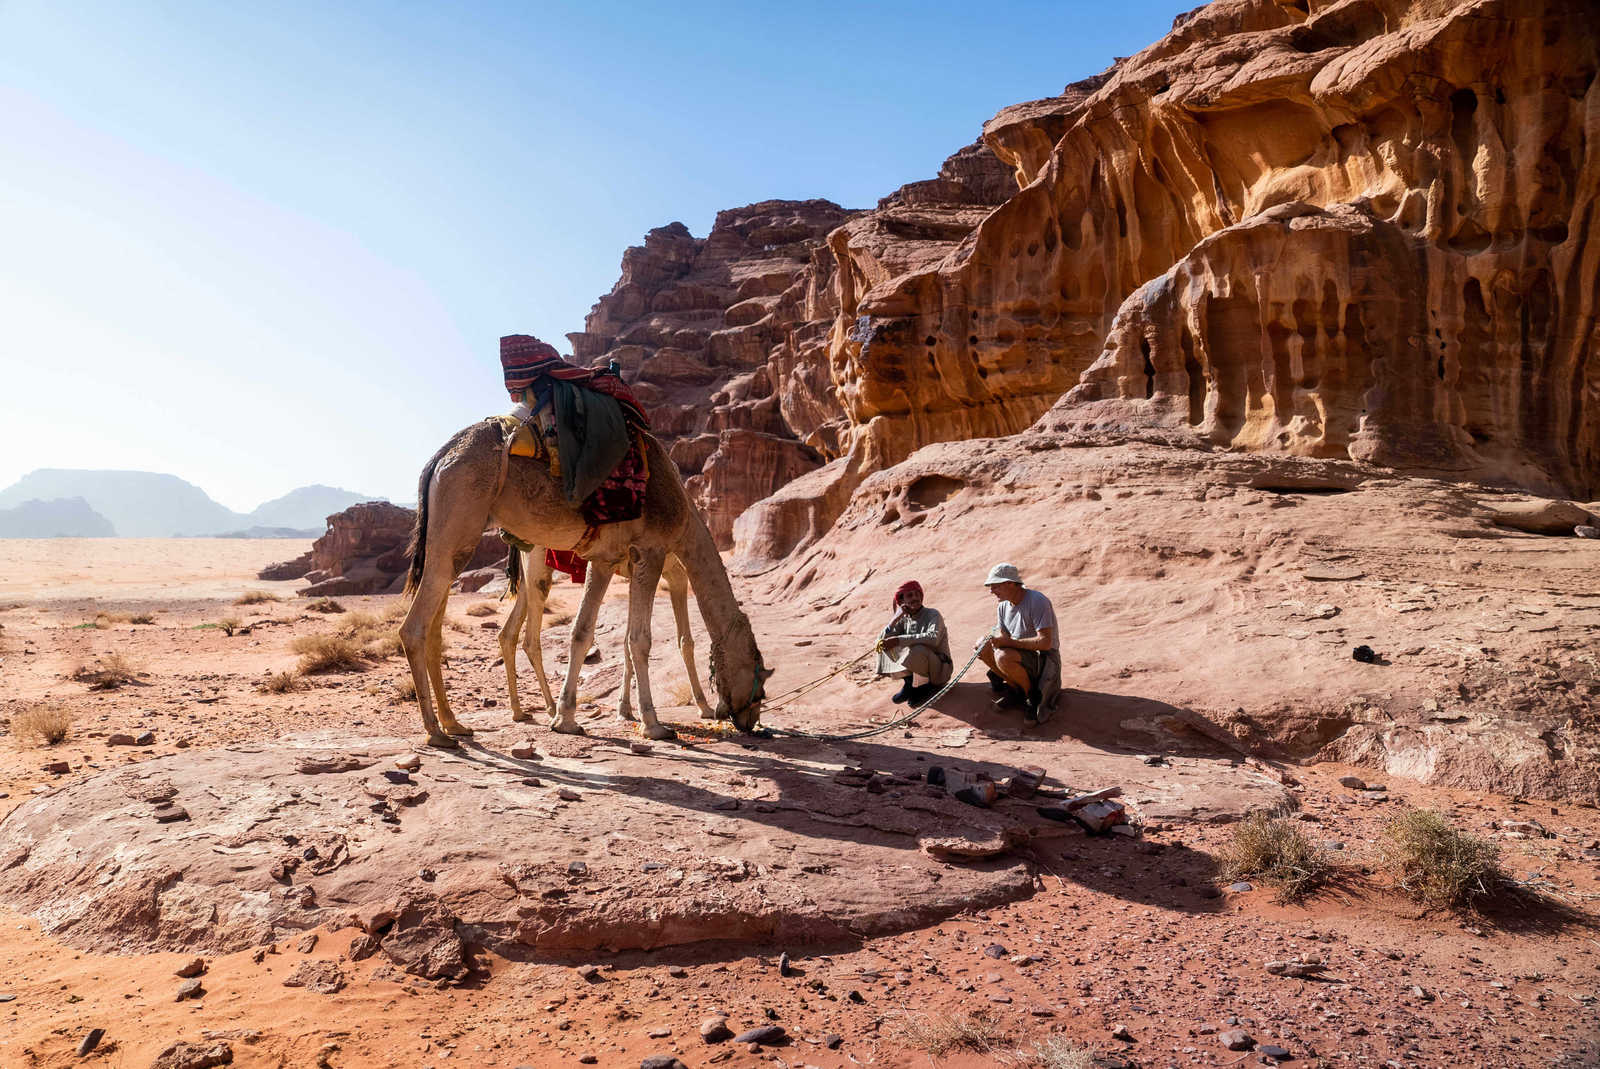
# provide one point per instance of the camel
(472, 481)
(532, 576)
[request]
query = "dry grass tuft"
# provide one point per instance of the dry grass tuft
(1435, 863)
(328, 653)
(255, 597)
(942, 1033)
(325, 605)
(230, 625)
(385, 645)
(682, 693)
(482, 608)
(552, 618)
(1276, 850)
(283, 682)
(358, 624)
(47, 724)
(1052, 1052)
(142, 618)
(107, 673)
(406, 688)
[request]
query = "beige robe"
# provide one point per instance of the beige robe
(928, 652)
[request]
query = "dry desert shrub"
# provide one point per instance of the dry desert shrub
(1275, 850)
(552, 618)
(396, 609)
(325, 605)
(106, 673)
(230, 624)
(358, 624)
(47, 724)
(1052, 1052)
(682, 694)
(283, 682)
(102, 621)
(939, 1034)
(385, 645)
(141, 618)
(255, 597)
(1437, 864)
(328, 653)
(372, 633)
(482, 608)
(406, 688)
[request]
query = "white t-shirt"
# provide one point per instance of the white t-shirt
(1028, 617)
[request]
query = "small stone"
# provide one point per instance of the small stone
(715, 1029)
(1583, 530)
(1270, 1051)
(1354, 783)
(308, 943)
(395, 775)
(409, 763)
(590, 973)
(90, 1041)
(524, 751)
(783, 964)
(191, 968)
(1121, 1032)
(587, 1059)
(532, 781)
(168, 813)
(120, 739)
(145, 738)
(677, 972)
(1241, 887)
(189, 989)
(577, 868)
(855, 996)
(1422, 993)
(567, 794)
(768, 1035)
(639, 747)
(833, 1041)
(661, 1061)
(1236, 1039)
(995, 950)
(659, 1033)
(56, 768)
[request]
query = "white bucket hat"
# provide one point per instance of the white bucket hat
(1003, 573)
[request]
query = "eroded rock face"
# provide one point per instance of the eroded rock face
(1361, 228)
(364, 551)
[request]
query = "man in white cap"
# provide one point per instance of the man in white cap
(1024, 653)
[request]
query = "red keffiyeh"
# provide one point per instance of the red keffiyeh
(910, 586)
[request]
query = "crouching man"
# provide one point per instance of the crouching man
(1024, 651)
(914, 645)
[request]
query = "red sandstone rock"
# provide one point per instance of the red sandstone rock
(364, 551)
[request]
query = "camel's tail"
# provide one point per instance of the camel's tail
(513, 571)
(419, 533)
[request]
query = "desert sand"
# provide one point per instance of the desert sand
(1059, 938)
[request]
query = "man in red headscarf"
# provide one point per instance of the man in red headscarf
(915, 645)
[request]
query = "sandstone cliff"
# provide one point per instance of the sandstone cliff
(1360, 229)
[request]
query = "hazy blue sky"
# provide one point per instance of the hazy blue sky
(265, 245)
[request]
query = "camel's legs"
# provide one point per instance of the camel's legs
(447, 719)
(537, 577)
(419, 636)
(508, 646)
(642, 585)
(625, 707)
(677, 581)
(594, 591)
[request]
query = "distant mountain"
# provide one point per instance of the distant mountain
(143, 504)
(61, 518)
(139, 504)
(276, 532)
(306, 508)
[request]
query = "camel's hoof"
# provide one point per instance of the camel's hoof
(568, 729)
(660, 732)
(627, 714)
(707, 714)
(443, 742)
(522, 718)
(460, 730)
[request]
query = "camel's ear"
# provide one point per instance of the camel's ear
(766, 674)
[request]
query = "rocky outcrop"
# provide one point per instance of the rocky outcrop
(1360, 228)
(364, 551)
(727, 339)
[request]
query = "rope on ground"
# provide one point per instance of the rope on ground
(899, 721)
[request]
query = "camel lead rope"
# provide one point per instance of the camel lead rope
(898, 721)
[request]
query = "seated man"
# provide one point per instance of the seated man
(1024, 652)
(914, 644)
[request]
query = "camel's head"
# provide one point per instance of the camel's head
(740, 678)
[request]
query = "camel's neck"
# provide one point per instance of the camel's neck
(709, 579)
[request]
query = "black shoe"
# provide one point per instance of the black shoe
(921, 694)
(904, 694)
(998, 683)
(1010, 698)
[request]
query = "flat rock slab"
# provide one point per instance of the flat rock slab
(309, 832)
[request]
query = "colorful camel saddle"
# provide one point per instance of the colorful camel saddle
(587, 425)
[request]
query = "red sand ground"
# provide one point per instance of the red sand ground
(1120, 932)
